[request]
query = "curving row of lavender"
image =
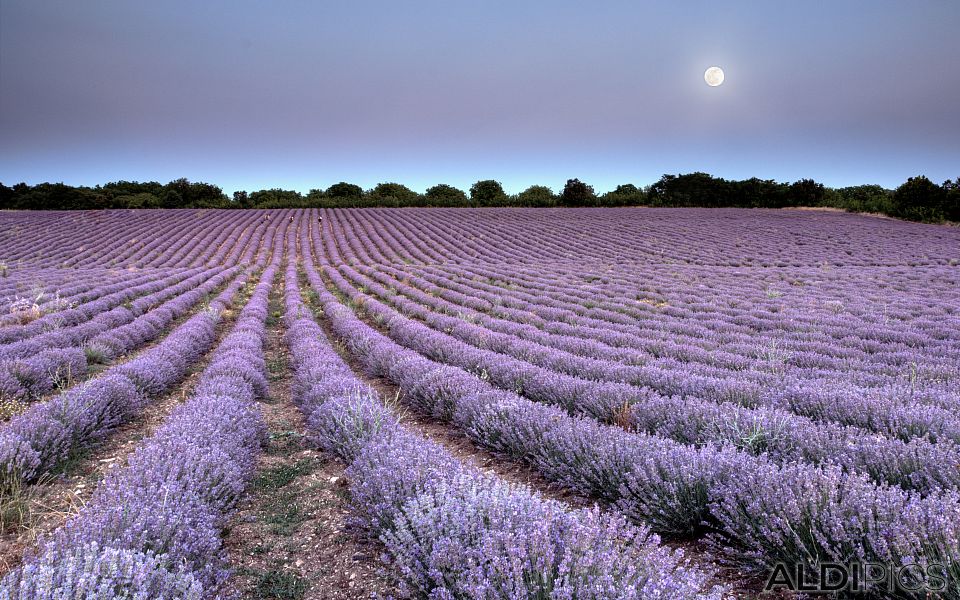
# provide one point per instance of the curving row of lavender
(152, 529)
(792, 463)
(916, 463)
(34, 247)
(773, 363)
(32, 293)
(47, 433)
(57, 271)
(757, 513)
(823, 325)
(53, 350)
(715, 237)
(224, 246)
(726, 351)
(782, 385)
(119, 239)
(421, 502)
(730, 364)
(33, 367)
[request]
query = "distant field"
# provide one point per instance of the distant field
(588, 403)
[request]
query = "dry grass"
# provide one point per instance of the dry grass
(14, 504)
(621, 416)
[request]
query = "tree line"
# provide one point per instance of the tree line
(917, 199)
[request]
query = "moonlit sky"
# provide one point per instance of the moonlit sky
(250, 95)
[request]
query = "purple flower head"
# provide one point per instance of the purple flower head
(170, 521)
(392, 469)
(18, 461)
(346, 423)
(152, 377)
(233, 367)
(94, 571)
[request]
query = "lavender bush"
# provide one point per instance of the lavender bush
(442, 522)
(161, 514)
(781, 384)
(94, 572)
(564, 449)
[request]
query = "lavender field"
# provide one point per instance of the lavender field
(475, 403)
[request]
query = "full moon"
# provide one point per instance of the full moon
(713, 76)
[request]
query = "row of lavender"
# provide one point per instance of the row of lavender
(678, 360)
(222, 246)
(242, 247)
(900, 341)
(54, 350)
(64, 321)
(53, 238)
(36, 279)
(721, 237)
(449, 529)
(43, 290)
(722, 371)
(913, 463)
(684, 236)
(68, 311)
(152, 528)
(755, 512)
(736, 341)
(141, 239)
(931, 328)
(781, 435)
(32, 368)
(47, 433)
(862, 320)
(917, 365)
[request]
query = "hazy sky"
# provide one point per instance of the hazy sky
(304, 94)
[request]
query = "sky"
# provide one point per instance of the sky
(303, 94)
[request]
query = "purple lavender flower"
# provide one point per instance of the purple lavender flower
(92, 571)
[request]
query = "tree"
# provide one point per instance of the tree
(241, 199)
(577, 193)
(624, 195)
(865, 198)
(693, 189)
(537, 195)
(757, 193)
(115, 189)
(7, 196)
(395, 194)
(196, 195)
(141, 200)
(952, 200)
(345, 190)
(207, 195)
(919, 199)
(805, 192)
(445, 195)
(488, 192)
(276, 198)
(171, 199)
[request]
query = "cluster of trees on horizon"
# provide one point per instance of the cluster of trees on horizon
(917, 199)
